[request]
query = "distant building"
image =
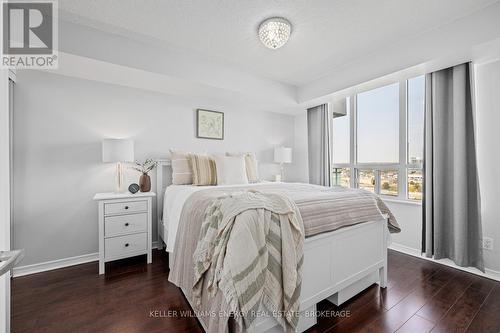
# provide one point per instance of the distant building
(416, 160)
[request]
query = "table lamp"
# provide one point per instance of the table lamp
(118, 151)
(282, 155)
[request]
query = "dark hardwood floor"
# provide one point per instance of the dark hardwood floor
(134, 297)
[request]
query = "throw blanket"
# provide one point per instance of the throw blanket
(322, 209)
(267, 272)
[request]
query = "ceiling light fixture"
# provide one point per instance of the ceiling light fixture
(275, 32)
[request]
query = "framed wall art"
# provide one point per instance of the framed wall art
(209, 124)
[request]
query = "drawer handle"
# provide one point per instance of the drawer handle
(127, 224)
(126, 207)
(126, 244)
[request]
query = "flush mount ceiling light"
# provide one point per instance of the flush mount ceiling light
(275, 32)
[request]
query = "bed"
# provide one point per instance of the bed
(362, 242)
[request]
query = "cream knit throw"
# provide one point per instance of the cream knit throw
(251, 248)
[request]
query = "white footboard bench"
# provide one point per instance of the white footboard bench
(337, 266)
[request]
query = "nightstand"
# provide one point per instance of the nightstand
(125, 221)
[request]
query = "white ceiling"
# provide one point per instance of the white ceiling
(327, 35)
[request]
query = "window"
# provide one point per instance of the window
(378, 125)
(416, 93)
(415, 136)
(367, 180)
(341, 177)
(377, 143)
(415, 183)
(389, 182)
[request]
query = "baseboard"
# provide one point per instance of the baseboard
(489, 273)
(59, 263)
(405, 249)
(55, 264)
(66, 262)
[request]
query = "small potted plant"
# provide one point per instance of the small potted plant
(144, 168)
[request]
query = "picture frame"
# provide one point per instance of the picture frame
(209, 124)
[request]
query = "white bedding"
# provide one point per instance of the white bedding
(173, 201)
(322, 209)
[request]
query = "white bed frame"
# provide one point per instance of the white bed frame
(337, 265)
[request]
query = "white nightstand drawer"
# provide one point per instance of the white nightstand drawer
(124, 245)
(125, 224)
(125, 221)
(125, 207)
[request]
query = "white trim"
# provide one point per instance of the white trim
(60, 263)
(55, 264)
(5, 199)
(490, 273)
(403, 141)
(386, 198)
(405, 249)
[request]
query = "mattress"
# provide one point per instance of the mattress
(322, 208)
(173, 202)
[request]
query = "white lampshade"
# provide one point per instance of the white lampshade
(282, 155)
(117, 150)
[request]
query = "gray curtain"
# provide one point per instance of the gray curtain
(451, 203)
(318, 123)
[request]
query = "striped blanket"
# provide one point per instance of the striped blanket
(267, 273)
(321, 209)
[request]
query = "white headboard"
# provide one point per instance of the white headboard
(163, 179)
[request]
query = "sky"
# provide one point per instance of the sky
(378, 125)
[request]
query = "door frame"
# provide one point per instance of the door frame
(5, 193)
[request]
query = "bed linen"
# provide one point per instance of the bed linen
(268, 271)
(173, 202)
(322, 208)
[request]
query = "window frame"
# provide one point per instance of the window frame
(403, 165)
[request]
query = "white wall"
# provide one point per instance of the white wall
(488, 138)
(409, 217)
(58, 127)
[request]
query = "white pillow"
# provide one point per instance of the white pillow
(251, 166)
(182, 173)
(230, 170)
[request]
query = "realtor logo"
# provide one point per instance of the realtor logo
(29, 34)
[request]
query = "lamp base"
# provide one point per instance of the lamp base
(119, 179)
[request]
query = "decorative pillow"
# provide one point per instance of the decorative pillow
(182, 173)
(204, 169)
(231, 170)
(251, 165)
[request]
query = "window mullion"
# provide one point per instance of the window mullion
(403, 139)
(353, 140)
